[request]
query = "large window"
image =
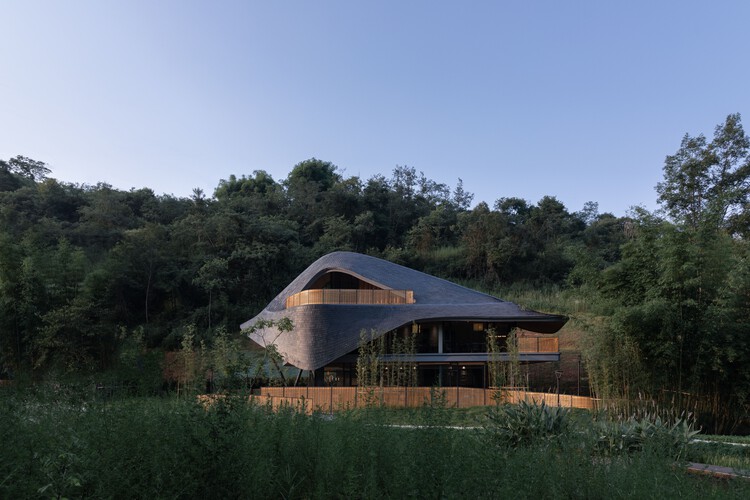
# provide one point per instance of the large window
(340, 281)
(450, 375)
(466, 336)
(426, 336)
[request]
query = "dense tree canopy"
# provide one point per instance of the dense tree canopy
(679, 289)
(79, 263)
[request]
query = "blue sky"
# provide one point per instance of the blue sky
(578, 100)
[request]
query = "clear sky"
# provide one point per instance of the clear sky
(581, 100)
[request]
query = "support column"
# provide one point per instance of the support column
(440, 338)
(458, 396)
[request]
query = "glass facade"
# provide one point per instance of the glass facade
(437, 337)
(450, 336)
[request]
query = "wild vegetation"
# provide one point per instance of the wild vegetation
(59, 442)
(95, 279)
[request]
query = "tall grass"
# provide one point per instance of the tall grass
(58, 444)
(550, 298)
(722, 454)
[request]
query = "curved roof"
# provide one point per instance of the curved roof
(325, 332)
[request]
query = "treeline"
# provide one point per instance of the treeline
(84, 269)
(82, 266)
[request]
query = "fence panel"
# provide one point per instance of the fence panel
(329, 399)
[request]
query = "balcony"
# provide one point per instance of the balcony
(351, 297)
(525, 345)
(537, 344)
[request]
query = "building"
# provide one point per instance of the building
(343, 294)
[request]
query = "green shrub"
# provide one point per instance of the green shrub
(525, 424)
(647, 432)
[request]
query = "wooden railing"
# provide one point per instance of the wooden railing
(538, 344)
(338, 296)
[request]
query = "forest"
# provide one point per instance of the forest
(87, 272)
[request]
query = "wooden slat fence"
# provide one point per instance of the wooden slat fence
(550, 399)
(329, 399)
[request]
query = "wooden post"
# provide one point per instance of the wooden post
(458, 404)
(484, 384)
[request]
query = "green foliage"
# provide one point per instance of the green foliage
(708, 184)
(80, 263)
(59, 443)
(270, 354)
(527, 424)
(675, 331)
(507, 372)
(539, 425)
(672, 328)
(494, 366)
(402, 371)
(137, 368)
(77, 263)
(369, 370)
(709, 450)
(646, 432)
(26, 167)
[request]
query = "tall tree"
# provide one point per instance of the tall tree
(307, 186)
(674, 293)
(30, 169)
(708, 182)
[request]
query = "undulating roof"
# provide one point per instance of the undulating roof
(325, 332)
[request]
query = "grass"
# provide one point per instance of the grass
(551, 299)
(728, 439)
(66, 444)
(451, 417)
(720, 454)
(721, 450)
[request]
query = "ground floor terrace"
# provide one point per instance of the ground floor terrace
(441, 353)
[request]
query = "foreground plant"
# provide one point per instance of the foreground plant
(58, 445)
(525, 424)
(637, 433)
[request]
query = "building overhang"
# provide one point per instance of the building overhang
(458, 358)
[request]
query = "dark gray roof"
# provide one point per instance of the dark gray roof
(325, 332)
